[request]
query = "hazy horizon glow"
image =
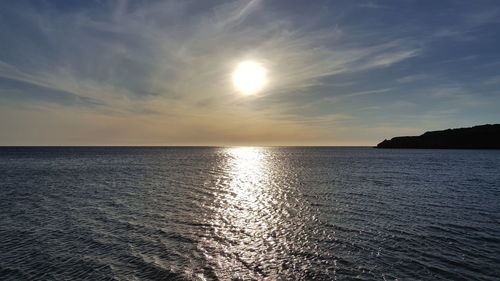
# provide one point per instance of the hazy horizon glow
(163, 72)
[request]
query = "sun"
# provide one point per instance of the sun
(249, 77)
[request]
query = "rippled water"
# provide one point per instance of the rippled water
(249, 214)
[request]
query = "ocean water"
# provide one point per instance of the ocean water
(249, 214)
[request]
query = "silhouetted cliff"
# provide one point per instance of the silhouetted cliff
(478, 137)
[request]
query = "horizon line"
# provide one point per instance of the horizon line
(177, 146)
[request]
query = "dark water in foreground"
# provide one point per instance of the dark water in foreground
(249, 214)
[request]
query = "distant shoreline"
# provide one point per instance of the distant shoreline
(477, 137)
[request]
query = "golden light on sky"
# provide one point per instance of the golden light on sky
(249, 77)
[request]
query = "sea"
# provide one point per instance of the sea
(249, 213)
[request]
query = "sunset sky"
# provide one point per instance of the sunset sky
(161, 72)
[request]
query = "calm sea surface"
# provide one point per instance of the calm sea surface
(249, 214)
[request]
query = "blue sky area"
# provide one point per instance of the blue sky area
(159, 72)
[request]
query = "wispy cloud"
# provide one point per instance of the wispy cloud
(168, 64)
(416, 77)
(132, 55)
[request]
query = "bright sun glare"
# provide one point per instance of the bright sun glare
(249, 77)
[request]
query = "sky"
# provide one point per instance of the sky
(159, 72)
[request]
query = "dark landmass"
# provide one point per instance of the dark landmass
(477, 137)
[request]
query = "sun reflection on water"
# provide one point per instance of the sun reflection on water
(247, 206)
(258, 221)
(249, 175)
(243, 215)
